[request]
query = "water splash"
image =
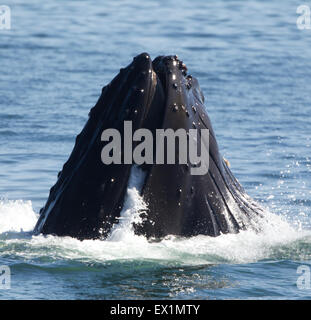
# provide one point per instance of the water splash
(278, 240)
(16, 216)
(133, 207)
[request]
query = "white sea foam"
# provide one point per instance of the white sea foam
(277, 240)
(134, 205)
(16, 216)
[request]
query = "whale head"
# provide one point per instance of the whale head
(182, 198)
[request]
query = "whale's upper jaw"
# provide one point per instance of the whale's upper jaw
(129, 94)
(88, 196)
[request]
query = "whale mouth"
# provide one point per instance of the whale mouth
(88, 197)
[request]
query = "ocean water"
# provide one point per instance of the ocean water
(253, 65)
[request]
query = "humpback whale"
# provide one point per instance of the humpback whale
(88, 197)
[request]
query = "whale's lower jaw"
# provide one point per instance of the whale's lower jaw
(88, 196)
